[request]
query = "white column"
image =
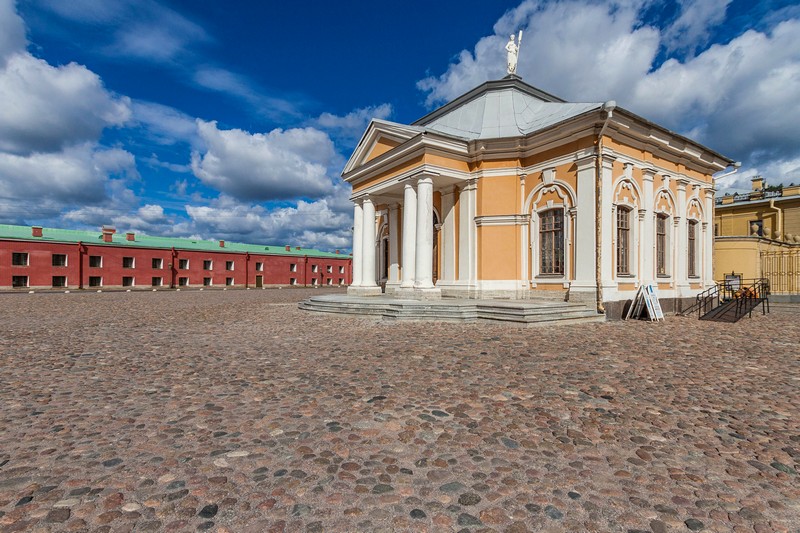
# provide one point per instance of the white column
(448, 234)
(648, 273)
(358, 251)
(368, 246)
(584, 241)
(467, 259)
(423, 278)
(681, 241)
(708, 242)
(409, 234)
(394, 266)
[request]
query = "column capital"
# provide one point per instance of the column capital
(608, 160)
(648, 173)
(585, 162)
(682, 183)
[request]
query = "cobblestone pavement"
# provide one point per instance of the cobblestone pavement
(236, 411)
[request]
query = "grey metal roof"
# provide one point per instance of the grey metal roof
(504, 112)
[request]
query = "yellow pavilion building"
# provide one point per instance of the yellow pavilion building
(511, 192)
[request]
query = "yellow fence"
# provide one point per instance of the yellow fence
(782, 269)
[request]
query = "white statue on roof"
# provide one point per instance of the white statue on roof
(513, 52)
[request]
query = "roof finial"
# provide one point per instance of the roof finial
(513, 53)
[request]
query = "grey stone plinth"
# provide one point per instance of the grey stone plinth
(364, 291)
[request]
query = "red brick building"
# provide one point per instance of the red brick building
(45, 258)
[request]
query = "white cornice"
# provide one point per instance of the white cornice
(418, 171)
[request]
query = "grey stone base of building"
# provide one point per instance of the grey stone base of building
(452, 309)
(670, 306)
(364, 291)
(414, 293)
(784, 298)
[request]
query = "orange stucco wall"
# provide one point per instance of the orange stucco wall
(498, 248)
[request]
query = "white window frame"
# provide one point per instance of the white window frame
(232, 266)
(27, 282)
(157, 261)
(101, 261)
(66, 282)
(133, 281)
(210, 263)
(90, 281)
(229, 282)
(185, 263)
(314, 268)
(293, 267)
(133, 262)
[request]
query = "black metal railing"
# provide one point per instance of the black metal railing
(733, 299)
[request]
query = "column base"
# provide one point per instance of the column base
(364, 291)
(415, 293)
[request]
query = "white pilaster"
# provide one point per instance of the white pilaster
(681, 241)
(607, 237)
(423, 278)
(409, 235)
(368, 285)
(467, 236)
(648, 273)
(448, 233)
(358, 241)
(585, 242)
(394, 260)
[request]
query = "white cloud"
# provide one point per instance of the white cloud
(76, 174)
(12, 31)
(599, 51)
(240, 87)
(165, 125)
(308, 224)
(692, 27)
(264, 166)
(49, 108)
(739, 98)
(140, 29)
(51, 119)
(350, 127)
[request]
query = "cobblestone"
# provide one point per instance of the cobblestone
(236, 411)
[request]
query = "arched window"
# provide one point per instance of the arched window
(661, 244)
(623, 240)
(692, 238)
(551, 242)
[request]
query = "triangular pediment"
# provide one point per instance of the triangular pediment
(381, 136)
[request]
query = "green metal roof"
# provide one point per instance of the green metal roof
(24, 233)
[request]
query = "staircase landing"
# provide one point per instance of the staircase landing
(454, 310)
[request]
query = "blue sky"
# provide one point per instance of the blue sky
(234, 119)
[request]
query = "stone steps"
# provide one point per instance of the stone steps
(517, 311)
